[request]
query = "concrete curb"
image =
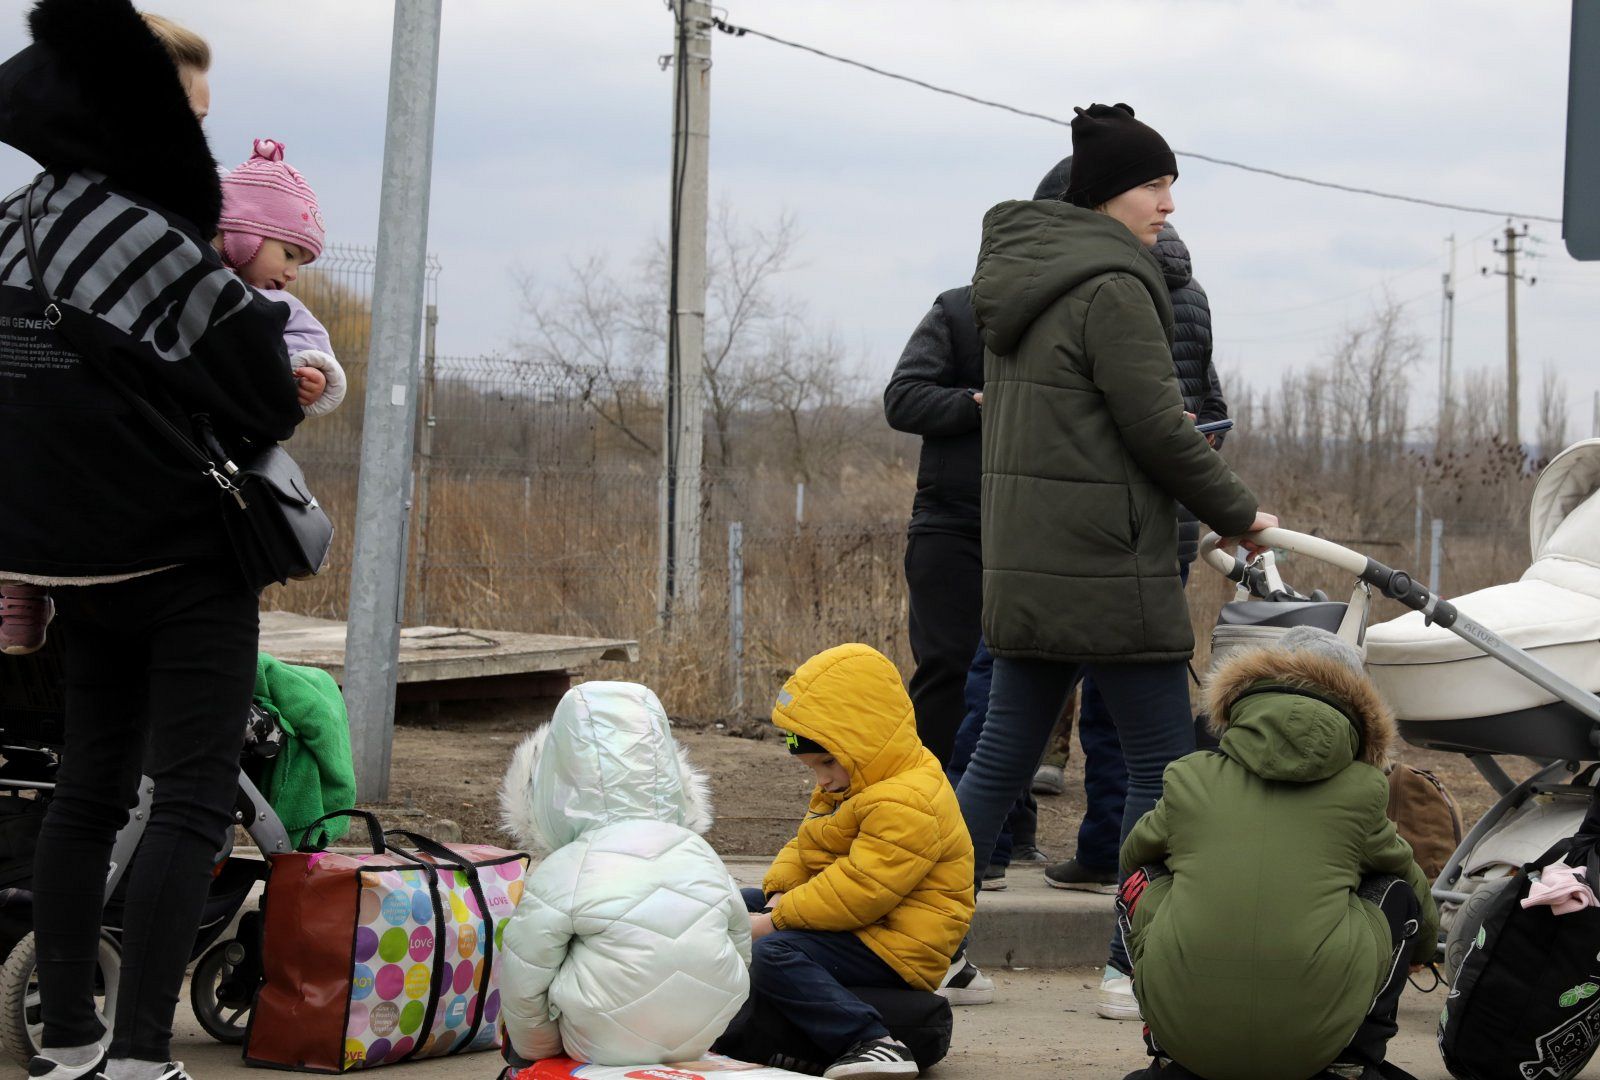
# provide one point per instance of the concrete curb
(1028, 925)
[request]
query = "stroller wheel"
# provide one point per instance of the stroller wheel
(21, 1027)
(223, 991)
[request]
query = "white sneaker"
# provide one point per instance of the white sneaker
(1114, 1000)
(964, 984)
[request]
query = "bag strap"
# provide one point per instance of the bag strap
(429, 846)
(375, 832)
(54, 317)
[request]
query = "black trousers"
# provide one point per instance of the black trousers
(944, 577)
(159, 675)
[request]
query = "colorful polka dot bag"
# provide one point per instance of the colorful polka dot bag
(381, 957)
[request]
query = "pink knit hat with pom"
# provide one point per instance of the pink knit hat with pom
(266, 197)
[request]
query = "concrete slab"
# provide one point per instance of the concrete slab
(1027, 925)
(1042, 1026)
(452, 661)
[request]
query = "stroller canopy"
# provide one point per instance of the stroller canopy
(1565, 485)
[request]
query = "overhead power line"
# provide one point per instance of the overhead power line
(740, 31)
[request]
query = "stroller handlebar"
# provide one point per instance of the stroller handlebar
(1397, 584)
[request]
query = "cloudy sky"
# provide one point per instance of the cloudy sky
(553, 129)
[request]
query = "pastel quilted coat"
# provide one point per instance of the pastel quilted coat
(631, 945)
(890, 858)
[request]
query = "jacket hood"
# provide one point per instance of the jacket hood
(1297, 717)
(1035, 251)
(1172, 254)
(850, 699)
(97, 91)
(607, 755)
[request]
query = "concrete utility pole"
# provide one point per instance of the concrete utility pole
(1510, 250)
(383, 506)
(683, 423)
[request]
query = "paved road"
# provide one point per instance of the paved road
(1042, 1027)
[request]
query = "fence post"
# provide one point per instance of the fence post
(736, 612)
(1436, 563)
(1416, 540)
(430, 337)
(799, 502)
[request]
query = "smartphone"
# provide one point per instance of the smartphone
(1214, 426)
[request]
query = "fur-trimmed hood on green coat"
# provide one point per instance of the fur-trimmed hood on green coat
(1256, 960)
(1086, 449)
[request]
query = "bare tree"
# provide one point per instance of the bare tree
(1369, 388)
(1552, 414)
(592, 332)
(802, 388)
(610, 338)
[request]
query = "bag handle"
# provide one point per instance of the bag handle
(55, 318)
(375, 832)
(429, 846)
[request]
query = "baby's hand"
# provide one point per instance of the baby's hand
(312, 383)
(761, 926)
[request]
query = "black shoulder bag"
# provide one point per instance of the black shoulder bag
(1525, 1003)
(278, 529)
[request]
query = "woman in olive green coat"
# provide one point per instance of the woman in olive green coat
(1086, 451)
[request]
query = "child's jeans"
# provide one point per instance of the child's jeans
(805, 972)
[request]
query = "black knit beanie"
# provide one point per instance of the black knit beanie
(1055, 182)
(1113, 152)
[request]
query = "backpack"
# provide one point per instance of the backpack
(1525, 1001)
(762, 1034)
(1426, 816)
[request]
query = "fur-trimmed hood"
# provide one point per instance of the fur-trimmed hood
(96, 90)
(1295, 716)
(607, 755)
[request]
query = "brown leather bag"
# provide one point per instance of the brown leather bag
(1426, 815)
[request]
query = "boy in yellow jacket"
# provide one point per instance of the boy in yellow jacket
(876, 888)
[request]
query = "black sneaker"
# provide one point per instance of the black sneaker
(964, 984)
(1029, 854)
(173, 1070)
(875, 1059)
(1074, 875)
(43, 1067)
(994, 878)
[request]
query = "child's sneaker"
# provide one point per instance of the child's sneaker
(25, 611)
(873, 1059)
(1072, 874)
(1114, 1000)
(964, 984)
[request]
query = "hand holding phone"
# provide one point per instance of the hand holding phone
(1214, 427)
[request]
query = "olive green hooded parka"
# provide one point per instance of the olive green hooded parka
(1255, 959)
(1086, 449)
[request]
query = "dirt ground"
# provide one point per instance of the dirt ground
(446, 772)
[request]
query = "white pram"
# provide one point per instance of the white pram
(1511, 670)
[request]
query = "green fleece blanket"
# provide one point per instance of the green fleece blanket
(313, 774)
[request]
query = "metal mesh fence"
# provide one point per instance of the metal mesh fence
(536, 507)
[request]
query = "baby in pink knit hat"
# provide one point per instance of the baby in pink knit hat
(270, 228)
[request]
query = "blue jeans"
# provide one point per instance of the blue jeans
(1022, 824)
(1149, 704)
(805, 974)
(1105, 781)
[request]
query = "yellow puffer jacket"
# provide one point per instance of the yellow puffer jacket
(890, 858)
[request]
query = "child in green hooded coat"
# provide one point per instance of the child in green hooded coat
(1271, 906)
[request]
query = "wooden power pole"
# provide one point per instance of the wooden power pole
(1510, 249)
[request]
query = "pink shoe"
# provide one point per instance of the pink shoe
(25, 611)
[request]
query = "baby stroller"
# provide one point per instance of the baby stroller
(1512, 670)
(226, 972)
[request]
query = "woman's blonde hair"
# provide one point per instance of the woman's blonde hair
(187, 48)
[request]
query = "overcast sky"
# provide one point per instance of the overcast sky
(553, 130)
